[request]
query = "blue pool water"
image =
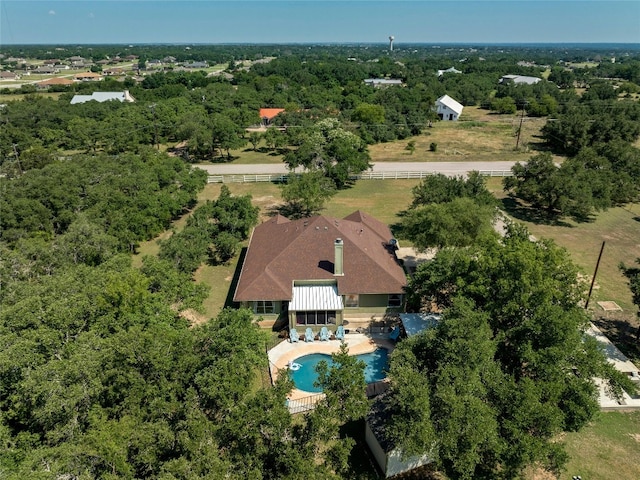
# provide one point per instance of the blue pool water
(305, 376)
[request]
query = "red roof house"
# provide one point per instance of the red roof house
(268, 114)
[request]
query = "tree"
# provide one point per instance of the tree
(254, 139)
(509, 367)
(505, 105)
(226, 246)
(411, 147)
(306, 193)
(458, 223)
(328, 147)
(633, 275)
(274, 138)
(225, 135)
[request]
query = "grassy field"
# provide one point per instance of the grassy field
(20, 96)
(607, 448)
(478, 136)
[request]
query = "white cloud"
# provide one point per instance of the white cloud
(91, 15)
(52, 12)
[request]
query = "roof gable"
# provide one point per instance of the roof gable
(450, 103)
(270, 113)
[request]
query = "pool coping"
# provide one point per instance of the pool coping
(358, 343)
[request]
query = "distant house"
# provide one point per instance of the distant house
(88, 77)
(112, 72)
(268, 114)
(517, 79)
(321, 270)
(45, 70)
(448, 70)
(388, 456)
(45, 84)
(8, 76)
(383, 82)
(448, 109)
(103, 97)
(193, 65)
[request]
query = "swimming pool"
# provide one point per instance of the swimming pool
(304, 376)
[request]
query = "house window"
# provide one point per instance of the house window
(317, 317)
(395, 300)
(351, 300)
(264, 306)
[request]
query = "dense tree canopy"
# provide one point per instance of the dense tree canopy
(508, 368)
(449, 211)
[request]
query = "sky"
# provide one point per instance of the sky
(312, 21)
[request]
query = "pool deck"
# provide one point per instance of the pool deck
(358, 343)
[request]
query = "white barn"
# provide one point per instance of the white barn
(448, 109)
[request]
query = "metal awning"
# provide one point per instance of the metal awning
(308, 298)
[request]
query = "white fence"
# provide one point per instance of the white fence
(280, 178)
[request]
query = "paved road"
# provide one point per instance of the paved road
(450, 168)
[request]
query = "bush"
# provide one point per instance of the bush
(433, 147)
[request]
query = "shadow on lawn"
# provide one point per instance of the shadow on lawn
(517, 209)
(622, 331)
(228, 302)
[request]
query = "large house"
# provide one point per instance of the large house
(321, 270)
(383, 82)
(519, 79)
(45, 84)
(448, 109)
(104, 97)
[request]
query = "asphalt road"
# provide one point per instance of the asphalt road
(448, 168)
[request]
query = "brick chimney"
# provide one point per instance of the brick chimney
(338, 265)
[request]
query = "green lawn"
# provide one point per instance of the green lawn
(608, 448)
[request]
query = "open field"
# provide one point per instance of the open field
(478, 136)
(12, 98)
(607, 448)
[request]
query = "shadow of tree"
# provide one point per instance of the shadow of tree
(624, 333)
(224, 159)
(521, 211)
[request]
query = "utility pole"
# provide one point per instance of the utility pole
(593, 280)
(520, 127)
(155, 125)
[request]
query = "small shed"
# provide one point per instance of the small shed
(448, 109)
(387, 455)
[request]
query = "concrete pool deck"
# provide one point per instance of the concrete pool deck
(358, 343)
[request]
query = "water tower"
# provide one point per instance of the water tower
(391, 38)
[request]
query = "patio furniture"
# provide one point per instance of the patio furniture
(395, 334)
(293, 335)
(340, 333)
(309, 335)
(324, 334)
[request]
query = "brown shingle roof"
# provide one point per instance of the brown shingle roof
(283, 251)
(57, 81)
